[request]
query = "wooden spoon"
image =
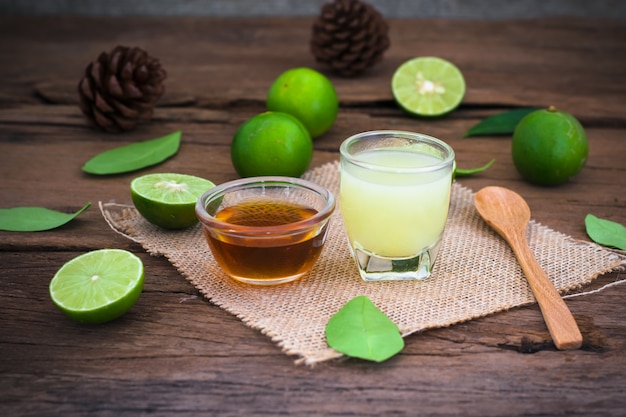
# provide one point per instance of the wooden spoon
(508, 214)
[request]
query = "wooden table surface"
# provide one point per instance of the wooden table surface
(175, 353)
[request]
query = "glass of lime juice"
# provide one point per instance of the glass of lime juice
(394, 198)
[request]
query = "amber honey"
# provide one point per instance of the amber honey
(282, 251)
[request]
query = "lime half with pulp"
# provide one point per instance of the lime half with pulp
(428, 86)
(98, 286)
(168, 199)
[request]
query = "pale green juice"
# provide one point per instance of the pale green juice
(393, 215)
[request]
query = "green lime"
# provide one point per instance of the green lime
(271, 143)
(549, 147)
(167, 199)
(98, 286)
(307, 95)
(428, 86)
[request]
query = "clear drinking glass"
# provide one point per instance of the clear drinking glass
(394, 198)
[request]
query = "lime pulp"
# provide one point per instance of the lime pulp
(428, 86)
(98, 286)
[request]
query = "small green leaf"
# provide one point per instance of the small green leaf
(499, 124)
(606, 232)
(34, 219)
(361, 330)
(460, 172)
(134, 156)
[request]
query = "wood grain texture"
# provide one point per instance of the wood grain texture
(177, 354)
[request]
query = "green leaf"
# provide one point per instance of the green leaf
(606, 232)
(499, 124)
(460, 172)
(134, 156)
(34, 219)
(361, 330)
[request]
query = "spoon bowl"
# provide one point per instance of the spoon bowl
(508, 214)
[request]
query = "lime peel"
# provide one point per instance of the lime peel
(306, 94)
(168, 200)
(271, 143)
(549, 147)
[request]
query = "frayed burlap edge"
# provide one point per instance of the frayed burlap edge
(476, 275)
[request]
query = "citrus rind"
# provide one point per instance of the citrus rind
(306, 94)
(168, 200)
(549, 147)
(271, 143)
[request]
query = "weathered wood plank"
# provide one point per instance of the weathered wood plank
(175, 353)
(506, 63)
(176, 350)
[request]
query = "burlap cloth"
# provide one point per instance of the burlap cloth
(476, 274)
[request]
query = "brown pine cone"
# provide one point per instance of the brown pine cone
(121, 88)
(349, 36)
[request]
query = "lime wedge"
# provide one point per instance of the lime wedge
(168, 200)
(98, 286)
(428, 86)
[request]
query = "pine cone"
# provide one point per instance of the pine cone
(121, 88)
(349, 36)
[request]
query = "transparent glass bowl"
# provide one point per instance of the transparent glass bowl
(266, 230)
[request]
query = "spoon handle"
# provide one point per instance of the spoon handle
(556, 314)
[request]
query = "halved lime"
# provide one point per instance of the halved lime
(428, 86)
(168, 199)
(98, 286)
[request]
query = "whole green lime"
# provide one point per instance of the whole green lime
(307, 95)
(549, 147)
(271, 143)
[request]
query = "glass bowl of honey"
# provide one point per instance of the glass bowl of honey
(266, 230)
